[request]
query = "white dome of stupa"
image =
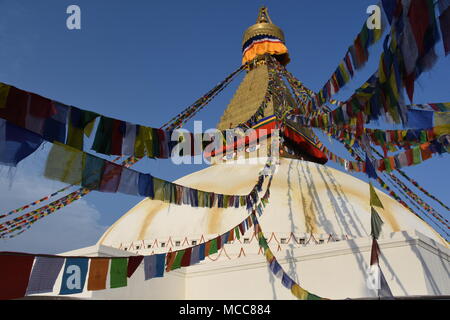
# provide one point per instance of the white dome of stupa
(305, 198)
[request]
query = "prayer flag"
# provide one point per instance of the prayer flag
(133, 264)
(213, 246)
(287, 281)
(129, 182)
(376, 224)
(154, 265)
(98, 271)
(186, 260)
(16, 143)
(92, 171)
(74, 275)
(14, 274)
(4, 90)
(177, 262)
(64, 164)
(374, 200)
(299, 292)
(195, 255)
(201, 252)
(44, 274)
(111, 177)
(119, 271)
(370, 169)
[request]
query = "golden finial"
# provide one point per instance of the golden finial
(263, 26)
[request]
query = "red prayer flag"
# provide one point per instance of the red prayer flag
(15, 110)
(186, 260)
(133, 264)
(374, 252)
(41, 107)
(14, 275)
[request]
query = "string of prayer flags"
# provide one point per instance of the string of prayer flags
(389, 190)
(24, 222)
(416, 184)
(376, 224)
(75, 271)
(50, 120)
(428, 209)
(354, 59)
(34, 202)
(75, 167)
(190, 111)
(277, 269)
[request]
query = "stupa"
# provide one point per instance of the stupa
(317, 221)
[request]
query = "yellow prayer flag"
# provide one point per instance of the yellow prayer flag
(88, 128)
(374, 200)
(139, 148)
(299, 292)
(64, 164)
(158, 187)
(4, 90)
(441, 130)
(269, 255)
(441, 119)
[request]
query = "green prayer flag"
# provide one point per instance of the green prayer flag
(376, 224)
(313, 297)
(262, 241)
(177, 262)
(374, 200)
(237, 233)
(118, 272)
(387, 164)
(213, 246)
(416, 155)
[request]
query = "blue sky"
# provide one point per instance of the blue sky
(144, 61)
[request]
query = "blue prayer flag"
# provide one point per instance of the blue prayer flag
(74, 275)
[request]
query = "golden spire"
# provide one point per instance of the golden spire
(263, 26)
